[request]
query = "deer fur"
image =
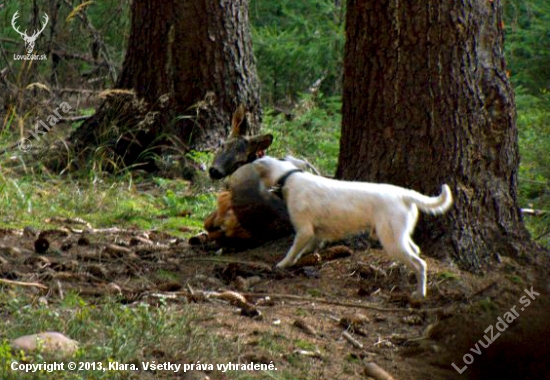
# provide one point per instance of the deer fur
(246, 214)
(222, 224)
(326, 209)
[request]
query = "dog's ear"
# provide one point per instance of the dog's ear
(259, 143)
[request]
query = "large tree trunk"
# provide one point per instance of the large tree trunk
(189, 65)
(427, 102)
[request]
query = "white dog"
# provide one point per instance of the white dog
(327, 209)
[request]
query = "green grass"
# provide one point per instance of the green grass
(126, 200)
(107, 332)
(313, 133)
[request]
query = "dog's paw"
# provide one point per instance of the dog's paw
(284, 264)
(417, 297)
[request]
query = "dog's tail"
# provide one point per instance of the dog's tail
(432, 205)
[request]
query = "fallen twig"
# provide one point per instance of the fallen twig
(354, 342)
(327, 301)
(73, 119)
(311, 354)
(57, 219)
(19, 283)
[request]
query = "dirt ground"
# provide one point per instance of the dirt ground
(353, 288)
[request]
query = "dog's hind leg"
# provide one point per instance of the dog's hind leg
(400, 247)
(414, 247)
(414, 262)
(303, 242)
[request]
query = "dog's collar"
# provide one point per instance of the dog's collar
(277, 189)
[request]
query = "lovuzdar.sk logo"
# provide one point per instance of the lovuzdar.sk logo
(29, 40)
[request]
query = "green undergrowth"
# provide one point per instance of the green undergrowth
(534, 170)
(311, 133)
(110, 332)
(127, 200)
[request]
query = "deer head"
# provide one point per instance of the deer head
(239, 149)
(29, 40)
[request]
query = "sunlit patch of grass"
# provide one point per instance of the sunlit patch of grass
(104, 201)
(305, 345)
(273, 342)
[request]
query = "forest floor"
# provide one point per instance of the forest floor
(292, 319)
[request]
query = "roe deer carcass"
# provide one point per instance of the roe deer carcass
(247, 214)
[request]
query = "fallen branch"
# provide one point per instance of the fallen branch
(354, 342)
(57, 219)
(19, 283)
(327, 301)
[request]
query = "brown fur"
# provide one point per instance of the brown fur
(246, 214)
(222, 224)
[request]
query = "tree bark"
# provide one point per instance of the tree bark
(426, 102)
(189, 64)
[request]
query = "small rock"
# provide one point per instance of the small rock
(50, 342)
(43, 301)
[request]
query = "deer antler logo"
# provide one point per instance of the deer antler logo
(29, 40)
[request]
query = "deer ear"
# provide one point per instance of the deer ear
(259, 143)
(238, 123)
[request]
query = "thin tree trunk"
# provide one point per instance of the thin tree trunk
(427, 102)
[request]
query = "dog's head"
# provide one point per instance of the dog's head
(239, 149)
(272, 169)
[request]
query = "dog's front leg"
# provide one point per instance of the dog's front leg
(303, 242)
